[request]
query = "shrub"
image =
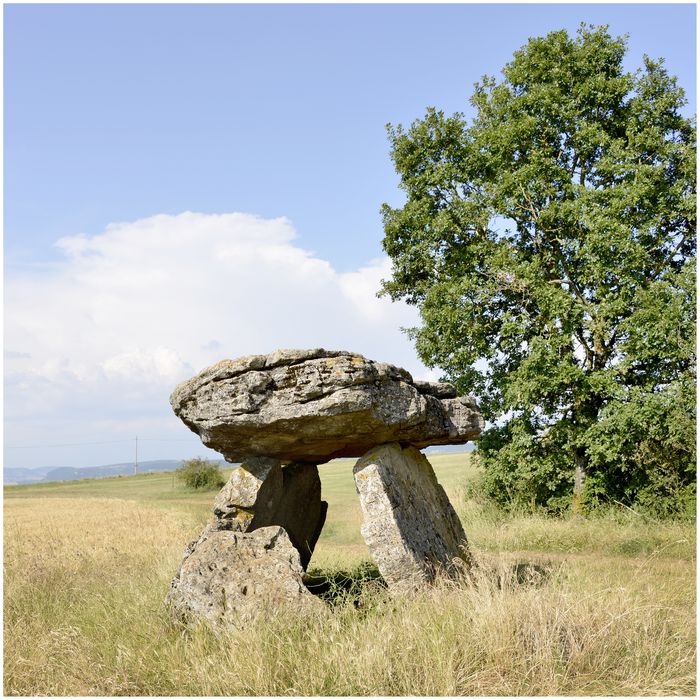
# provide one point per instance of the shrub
(200, 473)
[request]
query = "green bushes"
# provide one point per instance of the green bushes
(641, 454)
(200, 474)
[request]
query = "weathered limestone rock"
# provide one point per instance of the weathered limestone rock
(409, 525)
(261, 492)
(227, 578)
(300, 510)
(252, 486)
(314, 405)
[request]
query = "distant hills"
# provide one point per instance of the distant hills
(444, 449)
(36, 475)
(40, 475)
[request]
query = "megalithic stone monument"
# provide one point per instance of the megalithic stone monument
(280, 416)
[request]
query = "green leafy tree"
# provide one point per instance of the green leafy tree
(200, 473)
(550, 247)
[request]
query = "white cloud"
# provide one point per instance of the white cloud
(361, 288)
(145, 304)
(146, 365)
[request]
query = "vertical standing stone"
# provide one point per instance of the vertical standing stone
(296, 505)
(253, 487)
(261, 492)
(409, 524)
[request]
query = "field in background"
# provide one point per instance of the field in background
(610, 611)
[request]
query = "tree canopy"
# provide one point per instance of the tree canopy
(550, 247)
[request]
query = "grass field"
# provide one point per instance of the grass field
(88, 563)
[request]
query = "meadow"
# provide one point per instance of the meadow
(601, 605)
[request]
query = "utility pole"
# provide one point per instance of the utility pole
(136, 455)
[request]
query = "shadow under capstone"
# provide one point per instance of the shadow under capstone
(340, 586)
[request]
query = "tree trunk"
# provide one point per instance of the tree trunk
(586, 415)
(579, 479)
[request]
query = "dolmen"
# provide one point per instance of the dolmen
(278, 417)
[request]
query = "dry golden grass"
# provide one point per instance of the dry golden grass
(85, 580)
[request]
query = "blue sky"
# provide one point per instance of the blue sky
(272, 114)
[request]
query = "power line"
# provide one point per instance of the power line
(81, 444)
(64, 444)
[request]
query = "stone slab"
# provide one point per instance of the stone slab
(227, 578)
(314, 405)
(409, 524)
(262, 492)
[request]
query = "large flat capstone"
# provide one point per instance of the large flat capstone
(315, 405)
